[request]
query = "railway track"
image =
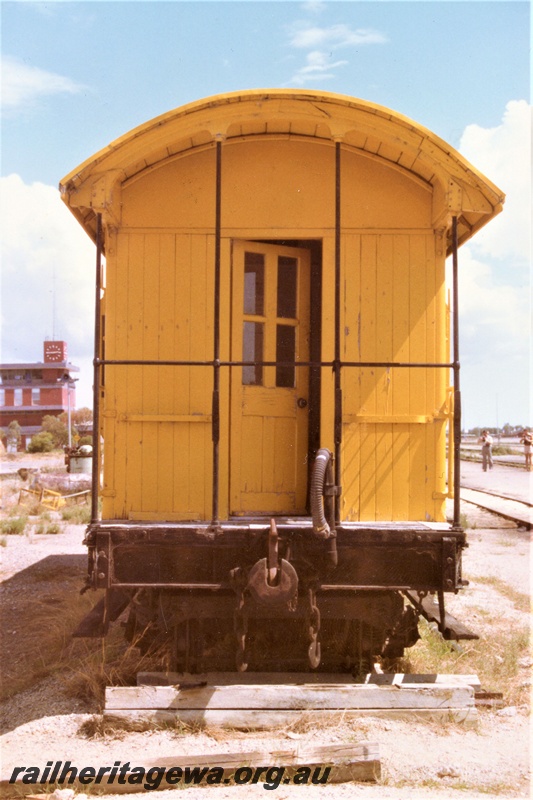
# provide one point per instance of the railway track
(503, 490)
(518, 511)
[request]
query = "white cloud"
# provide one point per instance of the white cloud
(494, 277)
(322, 42)
(503, 154)
(334, 36)
(48, 268)
(494, 316)
(23, 84)
(318, 67)
(314, 6)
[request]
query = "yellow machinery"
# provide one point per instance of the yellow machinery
(272, 369)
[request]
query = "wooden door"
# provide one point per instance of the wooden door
(269, 416)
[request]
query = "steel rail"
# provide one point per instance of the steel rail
(337, 366)
(456, 384)
(215, 426)
(98, 363)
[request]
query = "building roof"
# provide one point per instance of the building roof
(42, 365)
(375, 131)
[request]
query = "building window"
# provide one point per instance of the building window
(2, 397)
(18, 397)
(35, 397)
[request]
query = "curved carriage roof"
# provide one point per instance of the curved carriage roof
(363, 126)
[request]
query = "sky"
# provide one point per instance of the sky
(76, 75)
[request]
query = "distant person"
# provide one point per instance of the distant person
(486, 441)
(527, 441)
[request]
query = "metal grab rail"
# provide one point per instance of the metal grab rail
(337, 364)
(218, 363)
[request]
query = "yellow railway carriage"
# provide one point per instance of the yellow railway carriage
(273, 353)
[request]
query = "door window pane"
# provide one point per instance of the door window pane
(254, 283)
(287, 276)
(252, 350)
(285, 351)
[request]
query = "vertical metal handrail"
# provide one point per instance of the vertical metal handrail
(456, 384)
(216, 340)
(96, 377)
(337, 361)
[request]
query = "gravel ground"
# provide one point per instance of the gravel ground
(419, 759)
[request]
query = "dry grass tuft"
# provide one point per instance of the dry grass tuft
(97, 663)
(495, 660)
(96, 727)
(521, 601)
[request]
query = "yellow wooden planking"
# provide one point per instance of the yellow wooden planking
(391, 274)
(135, 318)
(161, 418)
(269, 430)
(159, 295)
(351, 377)
(417, 376)
(369, 375)
(384, 433)
(433, 507)
(400, 378)
(153, 294)
(167, 375)
(251, 456)
(200, 313)
(180, 475)
(153, 272)
(207, 374)
(270, 474)
(225, 378)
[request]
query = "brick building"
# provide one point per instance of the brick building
(28, 392)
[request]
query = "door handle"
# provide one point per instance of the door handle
(302, 402)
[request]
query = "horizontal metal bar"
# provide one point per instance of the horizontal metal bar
(332, 587)
(331, 364)
(213, 587)
(217, 587)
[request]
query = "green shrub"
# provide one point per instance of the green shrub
(503, 450)
(54, 527)
(41, 443)
(56, 428)
(78, 515)
(50, 528)
(14, 526)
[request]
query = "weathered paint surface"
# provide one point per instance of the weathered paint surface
(156, 192)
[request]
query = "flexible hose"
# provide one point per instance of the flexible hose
(321, 468)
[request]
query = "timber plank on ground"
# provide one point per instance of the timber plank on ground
(333, 697)
(267, 706)
(335, 763)
(394, 678)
